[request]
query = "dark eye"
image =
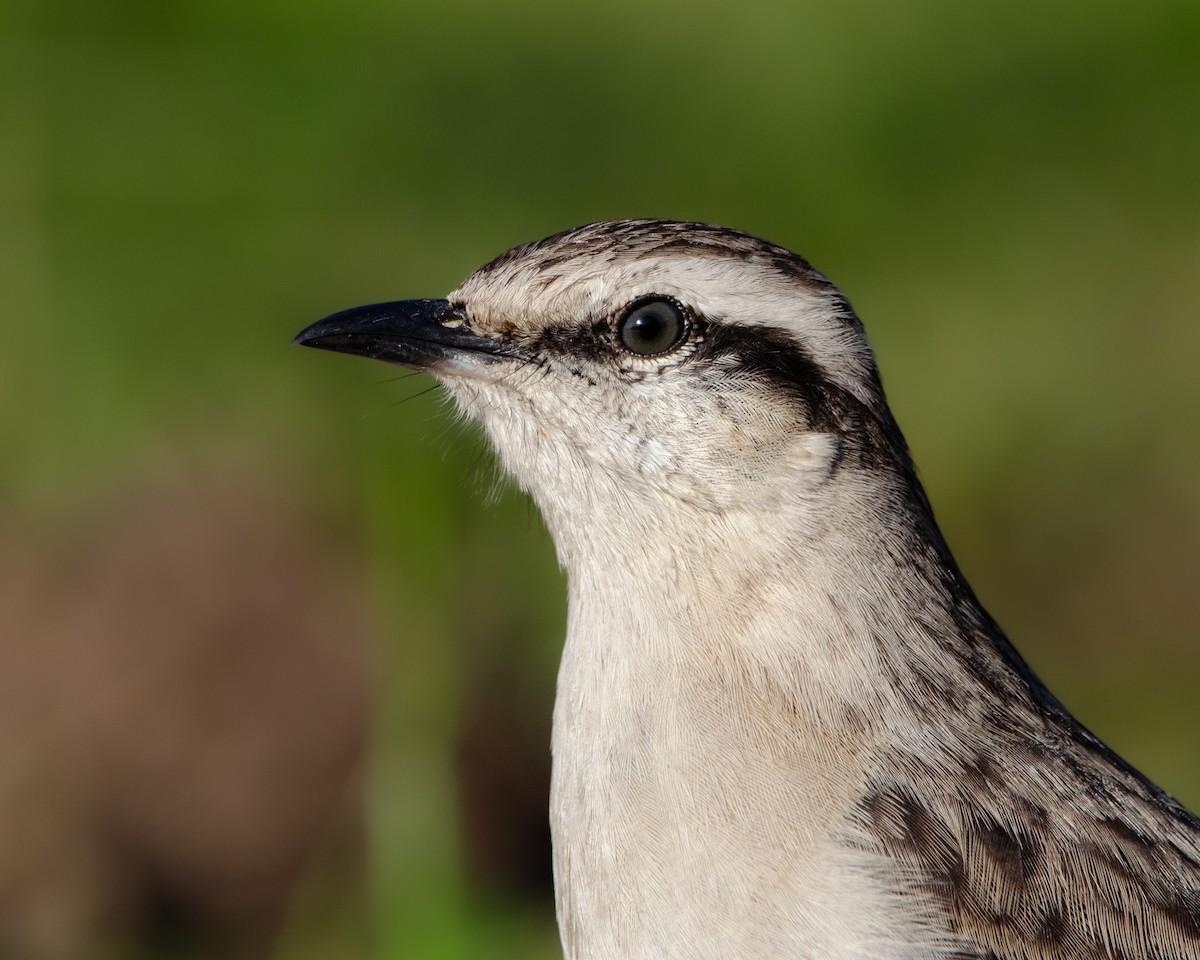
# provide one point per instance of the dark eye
(653, 327)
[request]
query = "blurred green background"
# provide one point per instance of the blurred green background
(276, 645)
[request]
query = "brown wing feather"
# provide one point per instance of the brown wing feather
(1037, 852)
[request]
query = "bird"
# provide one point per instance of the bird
(784, 726)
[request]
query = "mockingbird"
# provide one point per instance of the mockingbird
(784, 727)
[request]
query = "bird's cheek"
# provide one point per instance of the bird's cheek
(812, 457)
(761, 475)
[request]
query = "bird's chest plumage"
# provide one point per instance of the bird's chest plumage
(691, 822)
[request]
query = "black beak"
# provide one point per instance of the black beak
(423, 334)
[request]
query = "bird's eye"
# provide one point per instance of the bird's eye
(653, 327)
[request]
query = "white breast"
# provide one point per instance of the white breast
(699, 806)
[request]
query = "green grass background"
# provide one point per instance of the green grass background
(1009, 192)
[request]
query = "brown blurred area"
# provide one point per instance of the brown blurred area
(184, 706)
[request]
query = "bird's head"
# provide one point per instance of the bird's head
(634, 365)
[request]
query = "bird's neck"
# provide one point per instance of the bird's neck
(723, 673)
(827, 596)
